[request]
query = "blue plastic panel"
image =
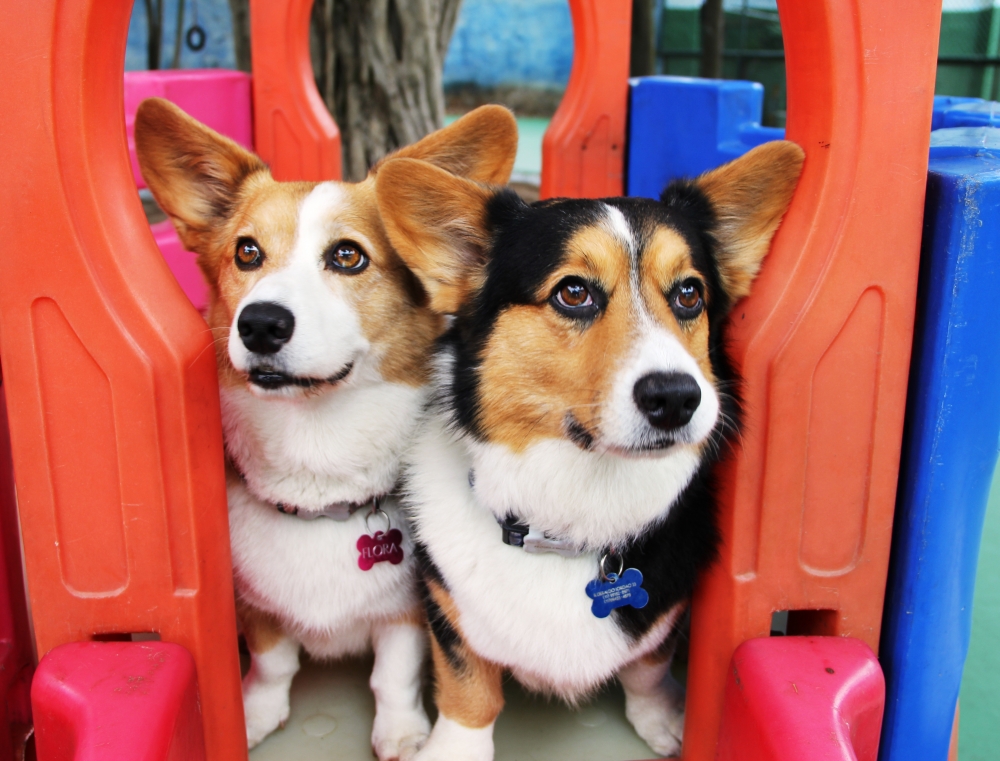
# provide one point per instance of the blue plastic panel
(954, 111)
(951, 447)
(681, 126)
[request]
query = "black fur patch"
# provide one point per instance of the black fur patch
(441, 629)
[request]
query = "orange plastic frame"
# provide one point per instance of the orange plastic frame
(293, 131)
(109, 371)
(583, 152)
(110, 376)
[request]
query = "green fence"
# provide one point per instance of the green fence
(968, 62)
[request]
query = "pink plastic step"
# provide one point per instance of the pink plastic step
(117, 701)
(798, 698)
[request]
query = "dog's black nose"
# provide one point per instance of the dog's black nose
(668, 400)
(265, 326)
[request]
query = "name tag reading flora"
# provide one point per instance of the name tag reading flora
(380, 547)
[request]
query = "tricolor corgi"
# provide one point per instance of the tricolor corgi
(560, 490)
(323, 338)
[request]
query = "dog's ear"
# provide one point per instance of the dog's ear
(437, 223)
(193, 172)
(481, 146)
(749, 197)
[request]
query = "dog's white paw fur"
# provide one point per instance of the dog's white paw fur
(398, 735)
(654, 704)
(266, 708)
(266, 688)
(450, 741)
(658, 721)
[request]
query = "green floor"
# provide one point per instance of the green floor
(979, 728)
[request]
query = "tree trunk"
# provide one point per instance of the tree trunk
(642, 61)
(713, 39)
(378, 66)
(154, 38)
(240, 10)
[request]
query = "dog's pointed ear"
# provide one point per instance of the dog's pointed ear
(749, 198)
(193, 172)
(481, 146)
(437, 223)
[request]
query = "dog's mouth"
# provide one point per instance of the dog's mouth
(588, 440)
(271, 379)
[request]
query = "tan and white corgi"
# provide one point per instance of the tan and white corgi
(323, 339)
(561, 489)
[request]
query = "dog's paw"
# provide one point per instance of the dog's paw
(266, 708)
(658, 721)
(450, 741)
(398, 735)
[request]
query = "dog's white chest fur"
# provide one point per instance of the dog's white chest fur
(311, 453)
(528, 612)
(307, 573)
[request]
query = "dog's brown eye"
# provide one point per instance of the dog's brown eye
(574, 297)
(248, 254)
(686, 299)
(346, 257)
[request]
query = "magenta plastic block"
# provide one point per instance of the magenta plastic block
(16, 654)
(798, 698)
(182, 263)
(117, 701)
(216, 97)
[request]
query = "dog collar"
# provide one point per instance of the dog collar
(516, 534)
(338, 511)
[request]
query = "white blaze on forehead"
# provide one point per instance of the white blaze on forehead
(327, 332)
(619, 227)
(318, 214)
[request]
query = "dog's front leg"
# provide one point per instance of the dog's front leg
(468, 690)
(654, 701)
(401, 724)
(274, 661)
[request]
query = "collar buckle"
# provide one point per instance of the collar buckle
(534, 541)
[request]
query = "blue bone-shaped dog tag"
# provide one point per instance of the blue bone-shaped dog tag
(617, 592)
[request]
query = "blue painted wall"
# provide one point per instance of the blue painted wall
(496, 42)
(511, 42)
(213, 17)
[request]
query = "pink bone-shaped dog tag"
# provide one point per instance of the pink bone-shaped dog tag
(382, 546)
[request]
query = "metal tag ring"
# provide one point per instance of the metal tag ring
(377, 510)
(612, 577)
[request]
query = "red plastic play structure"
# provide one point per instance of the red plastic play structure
(109, 372)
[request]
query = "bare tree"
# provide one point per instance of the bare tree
(378, 66)
(642, 59)
(713, 39)
(154, 27)
(240, 10)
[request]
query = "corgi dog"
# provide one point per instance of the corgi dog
(323, 338)
(560, 489)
